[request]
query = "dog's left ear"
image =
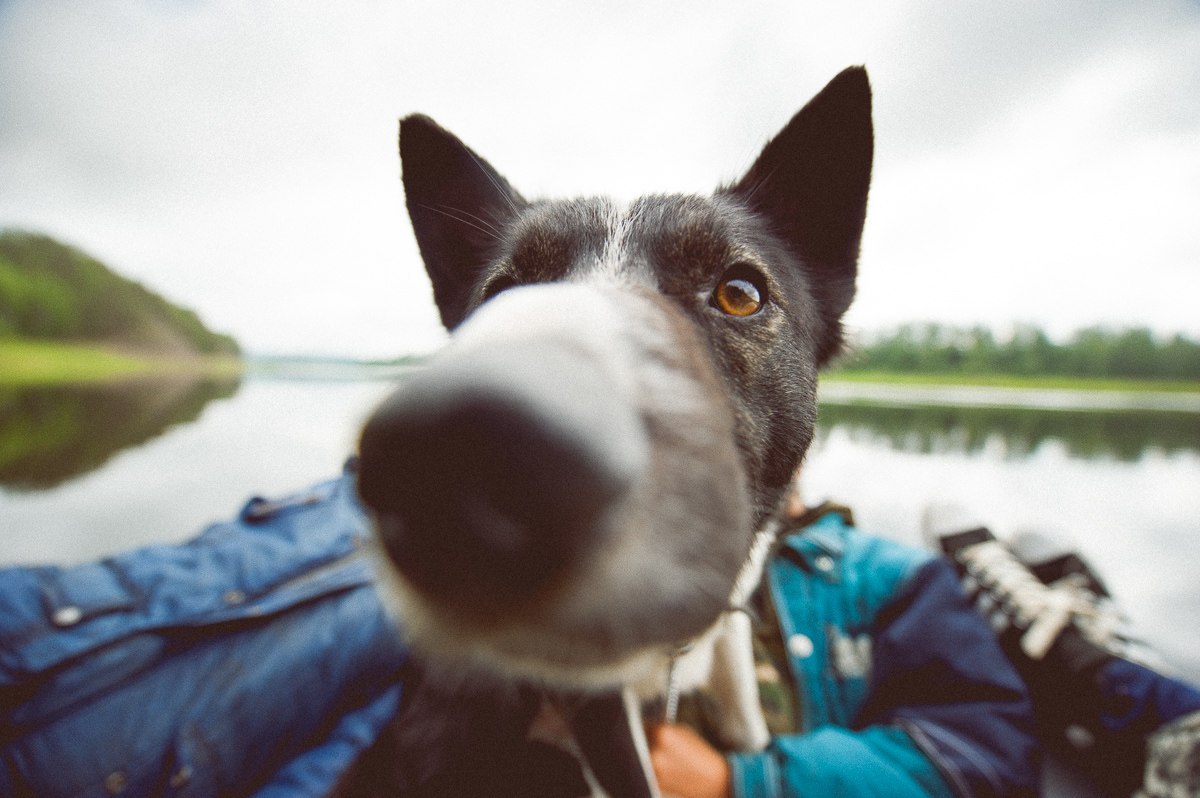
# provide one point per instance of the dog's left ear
(459, 205)
(811, 183)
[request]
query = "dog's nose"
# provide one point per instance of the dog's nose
(490, 473)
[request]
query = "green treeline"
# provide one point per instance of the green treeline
(1092, 352)
(51, 291)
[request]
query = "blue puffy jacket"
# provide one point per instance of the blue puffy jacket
(256, 660)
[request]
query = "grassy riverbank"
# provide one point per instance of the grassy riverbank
(1055, 383)
(32, 362)
(26, 362)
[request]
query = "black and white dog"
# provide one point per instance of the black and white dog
(578, 492)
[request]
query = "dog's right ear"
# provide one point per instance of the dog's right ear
(811, 182)
(458, 205)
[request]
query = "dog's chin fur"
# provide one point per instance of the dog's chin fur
(464, 653)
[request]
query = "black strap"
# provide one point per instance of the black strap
(604, 734)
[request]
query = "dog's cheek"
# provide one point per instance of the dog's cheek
(678, 541)
(697, 418)
(769, 373)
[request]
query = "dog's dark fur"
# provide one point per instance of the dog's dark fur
(573, 489)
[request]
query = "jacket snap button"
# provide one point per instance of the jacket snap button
(115, 782)
(1080, 738)
(825, 563)
(67, 616)
(800, 645)
(181, 777)
(234, 597)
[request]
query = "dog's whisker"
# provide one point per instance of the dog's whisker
(503, 191)
(483, 227)
(760, 182)
(477, 218)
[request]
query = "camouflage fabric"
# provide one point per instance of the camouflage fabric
(1173, 760)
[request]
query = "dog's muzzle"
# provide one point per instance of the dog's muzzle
(561, 484)
(490, 472)
(484, 479)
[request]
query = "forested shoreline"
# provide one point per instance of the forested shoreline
(1094, 352)
(50, 291)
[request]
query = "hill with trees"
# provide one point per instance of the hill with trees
(1095, 352)
(51, 291)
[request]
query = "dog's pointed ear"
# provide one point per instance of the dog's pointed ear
(811, 183)
(459, 206)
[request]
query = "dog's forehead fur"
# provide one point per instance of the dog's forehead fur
(677, 243)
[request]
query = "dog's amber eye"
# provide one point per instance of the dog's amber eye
(739, 294)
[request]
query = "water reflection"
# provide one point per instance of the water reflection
(51, 434)
(1123, 435)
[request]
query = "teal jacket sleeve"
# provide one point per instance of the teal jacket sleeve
(875, 761)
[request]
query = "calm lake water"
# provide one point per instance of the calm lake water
(87, 473)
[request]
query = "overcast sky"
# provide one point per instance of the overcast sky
(1036, 161)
